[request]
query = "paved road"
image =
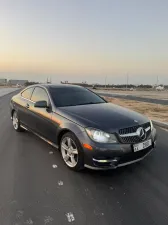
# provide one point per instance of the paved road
(4, 91)
(136, 98)
(33, 192)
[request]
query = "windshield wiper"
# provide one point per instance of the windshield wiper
(87, 103)
(90, 103)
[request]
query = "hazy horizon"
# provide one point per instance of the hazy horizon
(89, 79)
(84, 41)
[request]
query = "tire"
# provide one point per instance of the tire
(72, 149)
(16, 122)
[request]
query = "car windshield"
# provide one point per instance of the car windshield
(73, 96)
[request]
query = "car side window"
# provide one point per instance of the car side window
(39, 94)
(27, 93)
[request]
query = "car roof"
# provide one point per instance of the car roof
(50, 86)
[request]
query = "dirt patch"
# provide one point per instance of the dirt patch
(145, 94)
(153, 111)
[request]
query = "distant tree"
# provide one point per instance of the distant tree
(30, 83)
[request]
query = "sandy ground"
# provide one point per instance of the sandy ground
(153, 111)
(147, 94)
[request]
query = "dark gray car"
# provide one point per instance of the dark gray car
(87, 130)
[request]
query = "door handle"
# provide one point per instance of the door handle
(27, 106)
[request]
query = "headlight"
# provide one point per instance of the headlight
(101, 136)
(151, 124)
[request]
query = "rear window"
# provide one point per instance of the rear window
(27, 93)
(74, 96)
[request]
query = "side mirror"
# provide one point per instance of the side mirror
(41, 104)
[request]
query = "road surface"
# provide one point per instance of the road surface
(37, 188)
(133, 97)
(4, 91)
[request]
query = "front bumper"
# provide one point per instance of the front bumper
(114, 163)
(112, 156)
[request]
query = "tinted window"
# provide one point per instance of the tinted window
(39, 94)
(27, 93)
(73, 96)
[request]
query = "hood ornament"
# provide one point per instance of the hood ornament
(141, 133)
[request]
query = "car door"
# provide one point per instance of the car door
(24, 106)
(41, 118)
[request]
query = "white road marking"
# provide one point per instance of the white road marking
(13, 202)
(29, 221)
(60, 183)
(48, 220)
(98, 213)
(46, 191)
(70, 217)
(19, 214)
(50, 152)
(54, 166)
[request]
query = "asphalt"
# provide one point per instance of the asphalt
(4, 91)
(33, 192)
(133, 97)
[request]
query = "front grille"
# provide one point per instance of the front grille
(129, 139)
(129, 130)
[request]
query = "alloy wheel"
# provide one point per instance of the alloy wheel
(15, 121)
(69, 152)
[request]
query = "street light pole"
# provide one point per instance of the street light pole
(105, 80)
(127, 81)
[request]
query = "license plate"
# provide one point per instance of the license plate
(143, 145)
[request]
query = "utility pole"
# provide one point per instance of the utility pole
(127, 81)
(105, 80)
(157, 81)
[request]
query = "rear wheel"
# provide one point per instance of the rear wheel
(16, 122)
(72, 152)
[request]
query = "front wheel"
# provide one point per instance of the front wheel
(16, 122)
(72, 152)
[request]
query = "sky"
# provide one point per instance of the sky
(84, 40)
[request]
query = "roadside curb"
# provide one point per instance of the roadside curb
(160, 124)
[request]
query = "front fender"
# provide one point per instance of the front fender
(63, 124)
(73, 127)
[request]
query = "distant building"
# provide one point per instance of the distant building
(160, 88)
(3, 81)
(17, 82)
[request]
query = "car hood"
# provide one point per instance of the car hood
(105, 116)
